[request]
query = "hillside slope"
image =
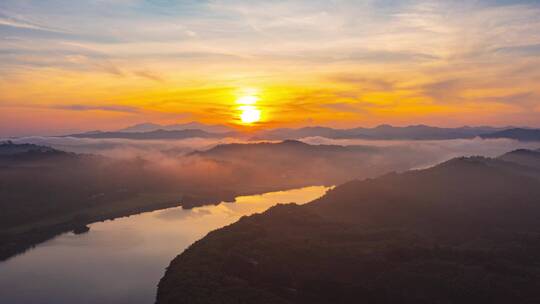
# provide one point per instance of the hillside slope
(465, 231)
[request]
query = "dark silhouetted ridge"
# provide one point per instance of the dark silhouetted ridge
(381, 132)
(10, 151)
(153, 135)
(524, 157)
(465, 231)
(517, 134)
(148, 127)
(11, 148)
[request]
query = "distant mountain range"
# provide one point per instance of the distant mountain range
(465, 231)
(149, 127)
(149, 131)
(152, 135)
(516, 133)
(382, 132)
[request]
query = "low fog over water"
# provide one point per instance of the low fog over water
(420, 153)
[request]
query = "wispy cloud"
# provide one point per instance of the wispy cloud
(371, 61)
(24, 24)
(363, 81)
(148, 75)
(109, 108)
(527, 50)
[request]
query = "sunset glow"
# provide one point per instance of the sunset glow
(340, 64)
(420, 117)
(247, 100)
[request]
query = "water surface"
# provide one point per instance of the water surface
(121, 261)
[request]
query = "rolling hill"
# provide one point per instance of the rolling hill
(296, 164)
(464, 231)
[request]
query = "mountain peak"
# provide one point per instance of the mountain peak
(141, 127)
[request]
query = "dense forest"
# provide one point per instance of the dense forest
(464, 231)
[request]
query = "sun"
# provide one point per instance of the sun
(250, 114)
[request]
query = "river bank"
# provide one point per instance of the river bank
(121, 261)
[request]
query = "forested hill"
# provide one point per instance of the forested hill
(465, 231)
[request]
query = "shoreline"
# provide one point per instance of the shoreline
(14, 243)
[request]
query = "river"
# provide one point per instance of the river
(122, 260)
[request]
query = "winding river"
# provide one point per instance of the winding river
(121, 261)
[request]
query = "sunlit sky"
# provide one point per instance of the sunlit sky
(103, 64)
